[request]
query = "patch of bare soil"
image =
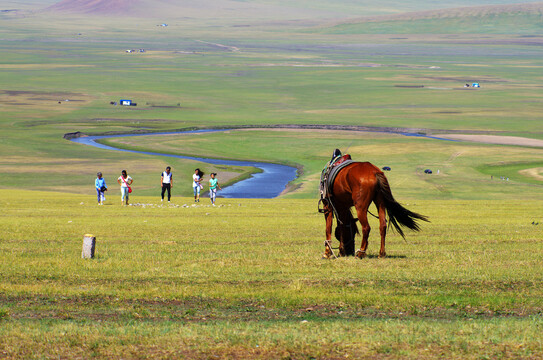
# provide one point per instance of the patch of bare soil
(382, 129)
(528, 41)
(485, 79)
(535, 173)
(486, 137)
(197, 309)
(220, 46)
(166, 106)
(12, 97)
(129, 120)
(494, 139)
(42, 94)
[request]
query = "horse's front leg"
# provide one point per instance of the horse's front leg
(329, 218)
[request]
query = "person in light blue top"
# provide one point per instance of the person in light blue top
(101, 188)
(213, 186)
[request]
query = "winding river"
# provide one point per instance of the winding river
(268, 184)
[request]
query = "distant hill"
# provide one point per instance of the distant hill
(486, 10)
(169, 9)
(506, 19)
(101, 7)
(269, 9)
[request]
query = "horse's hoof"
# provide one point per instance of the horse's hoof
(325, 257)
(382, 256)
(360, 254)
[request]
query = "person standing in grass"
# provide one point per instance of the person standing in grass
(125, 181)
(166, 182)
(101, 187)
(197, 178)
(213, 186)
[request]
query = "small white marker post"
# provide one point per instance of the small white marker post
(89, 244)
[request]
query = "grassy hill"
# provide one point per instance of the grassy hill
(496, 19)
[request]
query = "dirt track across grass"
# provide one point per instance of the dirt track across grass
(494, 139)
(482, 136)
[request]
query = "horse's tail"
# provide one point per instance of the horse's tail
(397, 214)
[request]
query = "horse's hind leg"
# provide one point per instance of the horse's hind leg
(362, 213)
(382, 227)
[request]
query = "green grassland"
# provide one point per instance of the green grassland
(519, 24)
(507, 19)
(270, 81)
(245, 279)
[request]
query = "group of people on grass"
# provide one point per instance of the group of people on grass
(166, 183)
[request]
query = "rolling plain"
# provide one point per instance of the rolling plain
(245, 279)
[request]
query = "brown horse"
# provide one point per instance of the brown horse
(359, 184)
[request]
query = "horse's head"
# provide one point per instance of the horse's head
(345, 232)
(348, 225)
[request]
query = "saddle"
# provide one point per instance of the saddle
(329, 173)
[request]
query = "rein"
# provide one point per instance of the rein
(329, 244)
(328, 201)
